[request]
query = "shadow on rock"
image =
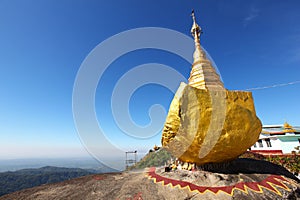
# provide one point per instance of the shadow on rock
(248, 166)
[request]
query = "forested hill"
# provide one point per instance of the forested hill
(27, 178)
(153, 158)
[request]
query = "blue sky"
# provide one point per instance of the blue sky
(43, 43)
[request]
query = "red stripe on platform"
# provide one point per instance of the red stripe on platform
(267, 183)
(267, 151)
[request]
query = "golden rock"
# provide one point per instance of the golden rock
(198, 132)
(207, 123)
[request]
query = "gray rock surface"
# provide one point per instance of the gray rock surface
(136, 185)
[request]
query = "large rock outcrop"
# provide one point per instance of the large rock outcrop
(242, 179)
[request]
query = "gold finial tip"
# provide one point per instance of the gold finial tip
(196, 30)
(193, 16)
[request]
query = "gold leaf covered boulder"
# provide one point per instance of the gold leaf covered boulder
(207, 123)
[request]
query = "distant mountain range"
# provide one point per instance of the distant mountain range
(83, 163)
(27, 178)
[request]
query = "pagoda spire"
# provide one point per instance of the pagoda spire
(196, 29)
(203, 74)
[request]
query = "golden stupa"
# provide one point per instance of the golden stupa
(207, 123)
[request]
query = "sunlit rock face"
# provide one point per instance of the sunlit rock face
(207, 123)
(205, 126)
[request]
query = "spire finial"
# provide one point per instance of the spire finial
(193, 15)
(196, 29)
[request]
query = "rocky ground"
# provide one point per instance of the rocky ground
(136, 185)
